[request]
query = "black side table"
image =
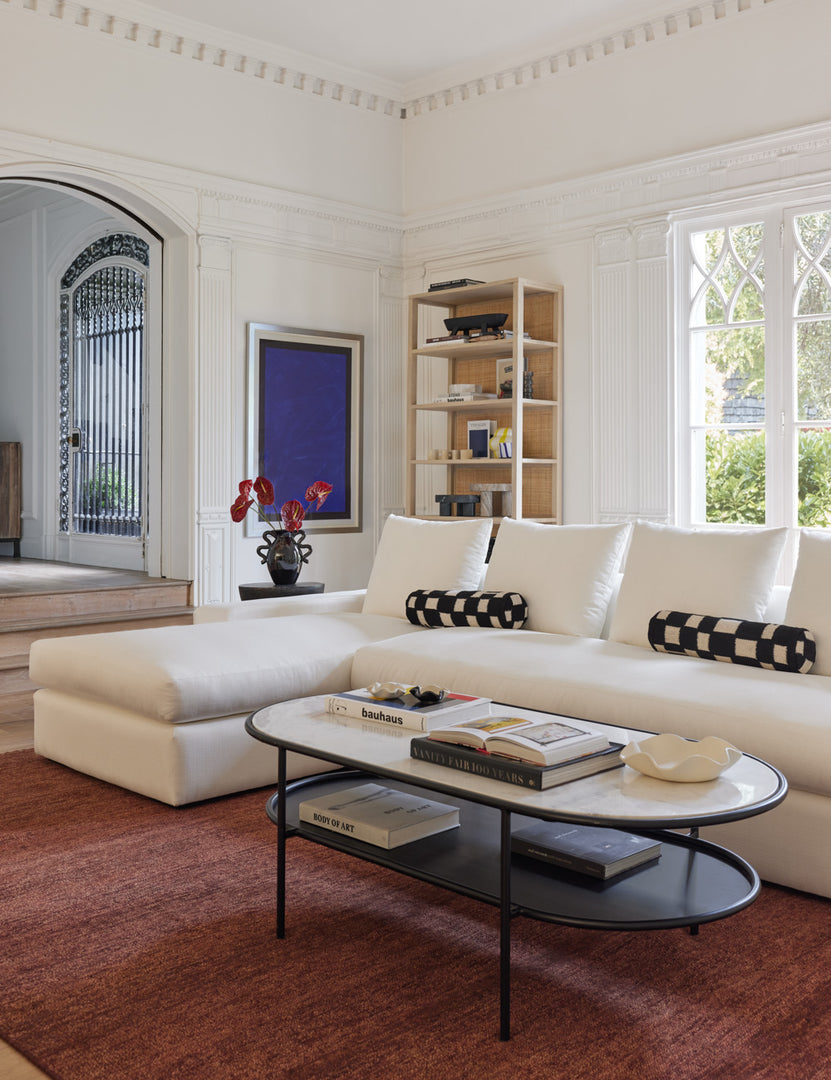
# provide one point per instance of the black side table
(259, 590)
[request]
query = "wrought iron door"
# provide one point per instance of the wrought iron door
(102, 390)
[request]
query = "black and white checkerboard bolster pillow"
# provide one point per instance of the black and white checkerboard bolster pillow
(463, 607)
(734, 641)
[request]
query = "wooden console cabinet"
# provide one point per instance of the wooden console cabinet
(10, 495)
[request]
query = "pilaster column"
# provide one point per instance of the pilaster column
(216, 395)
(632, 373)
(388, 403)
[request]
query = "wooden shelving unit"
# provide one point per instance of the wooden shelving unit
(535, 470)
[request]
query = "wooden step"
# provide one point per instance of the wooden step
(15, 642)
(40, 600)
(20, 610)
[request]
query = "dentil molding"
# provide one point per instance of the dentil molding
(194, 42)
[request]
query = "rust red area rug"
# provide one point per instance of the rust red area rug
(138, 944)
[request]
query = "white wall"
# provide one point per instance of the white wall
(749, 73)
(289, 206)
(578, 176)
(94, 89)
(278, 205)
(271, 288)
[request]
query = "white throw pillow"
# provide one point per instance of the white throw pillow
(727, 572)
(809, 604)
(414, 554)
(565, 572)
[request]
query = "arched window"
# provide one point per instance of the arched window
(102, 377)
(754, 390)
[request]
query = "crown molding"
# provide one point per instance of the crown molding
(798, 160)
(134, 23)
(235, 54)
(578, 55)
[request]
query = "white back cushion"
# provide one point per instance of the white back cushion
(415, 554)
(565, 572)
(705, 572)
(809, 604)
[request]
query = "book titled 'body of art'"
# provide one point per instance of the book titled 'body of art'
(378, 815)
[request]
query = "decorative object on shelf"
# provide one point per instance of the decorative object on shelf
(487, 503)
(488, 322)
(501, 443)
(669, 757)
(505, 379)
(283, 551)
(479, 433)
(465, 505)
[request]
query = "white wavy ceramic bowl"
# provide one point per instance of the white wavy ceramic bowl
(669, 757)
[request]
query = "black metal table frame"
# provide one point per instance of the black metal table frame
(276, 808)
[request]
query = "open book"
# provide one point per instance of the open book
(543, 743)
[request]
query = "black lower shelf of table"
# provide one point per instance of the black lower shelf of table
(694, 881)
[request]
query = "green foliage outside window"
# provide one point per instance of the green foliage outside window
(731, 262)
(735, 478)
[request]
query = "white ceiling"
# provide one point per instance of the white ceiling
(427, 41)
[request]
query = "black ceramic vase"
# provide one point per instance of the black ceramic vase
(284, 554)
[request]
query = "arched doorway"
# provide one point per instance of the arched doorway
(45, 222)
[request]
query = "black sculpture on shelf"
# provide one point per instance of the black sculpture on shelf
(487, 323)
(465, 505)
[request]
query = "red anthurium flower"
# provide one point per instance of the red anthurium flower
(264, 490)
(292, 514)
(318, 493)
(241, 506)
(245, 488)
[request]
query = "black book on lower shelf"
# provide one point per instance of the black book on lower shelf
(585, 849)
(497, 767)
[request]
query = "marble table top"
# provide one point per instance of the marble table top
(618, 797)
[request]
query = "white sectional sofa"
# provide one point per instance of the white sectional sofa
(161, 711)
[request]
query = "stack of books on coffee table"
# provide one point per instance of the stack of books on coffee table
(530, 753)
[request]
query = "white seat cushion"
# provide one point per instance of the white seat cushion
(727, 572)
(415, 554)
(809, 604)
(183, 673)
(564, 572)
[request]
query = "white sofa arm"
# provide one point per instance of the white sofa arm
(308, 604)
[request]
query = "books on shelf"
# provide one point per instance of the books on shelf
(406, 712)
(494, 767)
(540, 742)
(585, 849)
(474, 335)
(378, 815)
(456, 283)
(443, 398)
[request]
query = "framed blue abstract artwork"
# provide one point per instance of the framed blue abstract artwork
(304, 420)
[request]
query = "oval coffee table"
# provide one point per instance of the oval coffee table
(694, 881)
